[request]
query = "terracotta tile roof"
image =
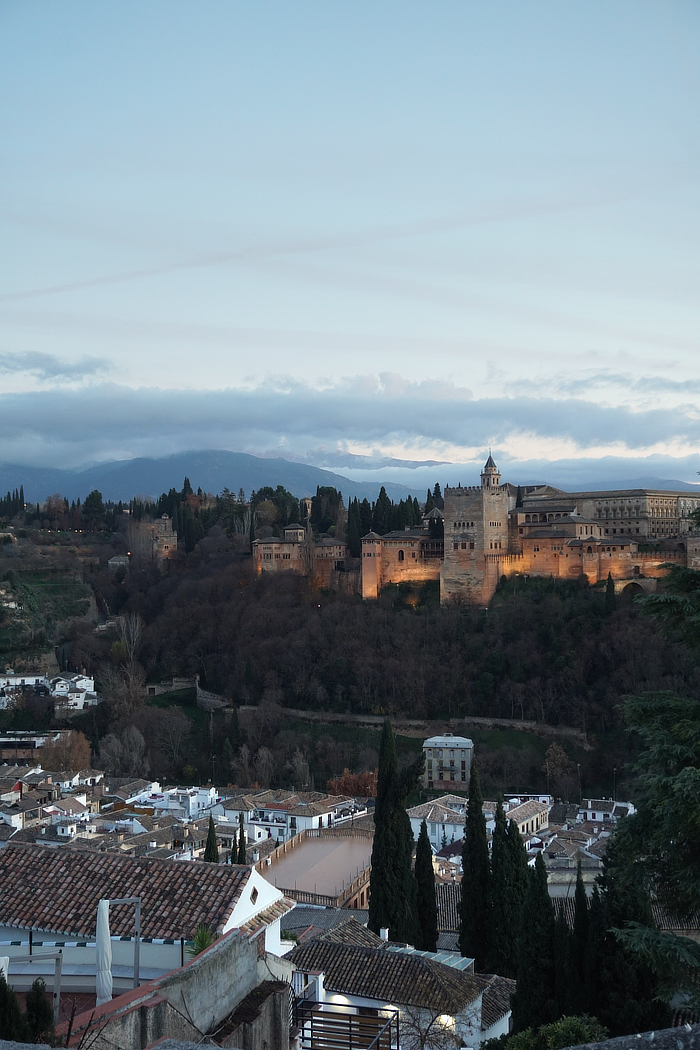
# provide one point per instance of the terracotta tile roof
(496, 1000)
(321, 918)
(352, 932)
(447, 899)
(526, 810)
(268, 915)
(58, 891)
(436, 812)
(390, 977)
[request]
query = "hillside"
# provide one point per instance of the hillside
(212, 471)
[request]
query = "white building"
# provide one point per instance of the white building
(448, 760)
(443, 823)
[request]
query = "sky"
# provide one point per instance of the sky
(377, 237)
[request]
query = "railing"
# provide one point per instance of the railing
(325, 1025)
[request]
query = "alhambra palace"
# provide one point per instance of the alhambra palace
(497, 529)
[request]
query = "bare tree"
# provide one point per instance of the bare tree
(264, 766)
(299, 769)
(427, 1030)
(242, 766)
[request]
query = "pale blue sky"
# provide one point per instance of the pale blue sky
(389, 230)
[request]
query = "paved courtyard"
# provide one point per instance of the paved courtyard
(323, 865)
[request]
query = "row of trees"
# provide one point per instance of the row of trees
(509, 926)
(401, 900)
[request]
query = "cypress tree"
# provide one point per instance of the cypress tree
(474, 927)
(566, 986)
(610, 599)
(393, 889)
(241, 841)
(12, 1023)
(39, 1012)
(621, 988)
(534, 1002)
(519, 498)
(211, 850)
(504, 901)
(354, 529)
(425, 878)
(580, 936)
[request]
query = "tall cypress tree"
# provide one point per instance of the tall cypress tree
(610, 599)
(211, 850)
(621, 987)
(505, 899)
(474, 927)
(580, 938)
(241, 841)
(393, 889)
(534, 1002)
(425, 878)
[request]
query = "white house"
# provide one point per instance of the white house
(444, 824)
(51, 895)
(448, 761)
(414, 992)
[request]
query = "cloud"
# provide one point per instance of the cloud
(384, 417)
(48, 366)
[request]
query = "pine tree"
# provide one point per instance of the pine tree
(211, 850)
(534, 1002)
(393, 889)
(425, 878)
(474, 928)
(241, 841)
(39, 1013)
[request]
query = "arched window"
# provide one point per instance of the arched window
(401, 555)
(590, 550)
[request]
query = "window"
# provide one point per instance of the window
(254, 895)
(401, 555)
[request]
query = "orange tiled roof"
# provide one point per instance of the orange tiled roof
(59, 890)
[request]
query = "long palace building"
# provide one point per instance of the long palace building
(489, 532)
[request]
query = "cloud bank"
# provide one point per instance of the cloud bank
(377, 423)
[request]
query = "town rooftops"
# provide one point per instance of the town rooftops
(58, 891)
(435, 813)
(394, 977)
(448, 740)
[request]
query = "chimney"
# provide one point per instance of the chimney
(153, 844)
(256, 856)
(384, 933)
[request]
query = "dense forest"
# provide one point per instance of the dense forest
(551, 651)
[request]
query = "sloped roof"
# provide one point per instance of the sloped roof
(321, 918)
(496, 1000)
(393, 977)
(447, 900)
(351, 932)
(59, 890)
(436, 813)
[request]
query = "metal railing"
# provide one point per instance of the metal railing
(328, 1025)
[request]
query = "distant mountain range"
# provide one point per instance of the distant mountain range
(212, 471)
(219, 469)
